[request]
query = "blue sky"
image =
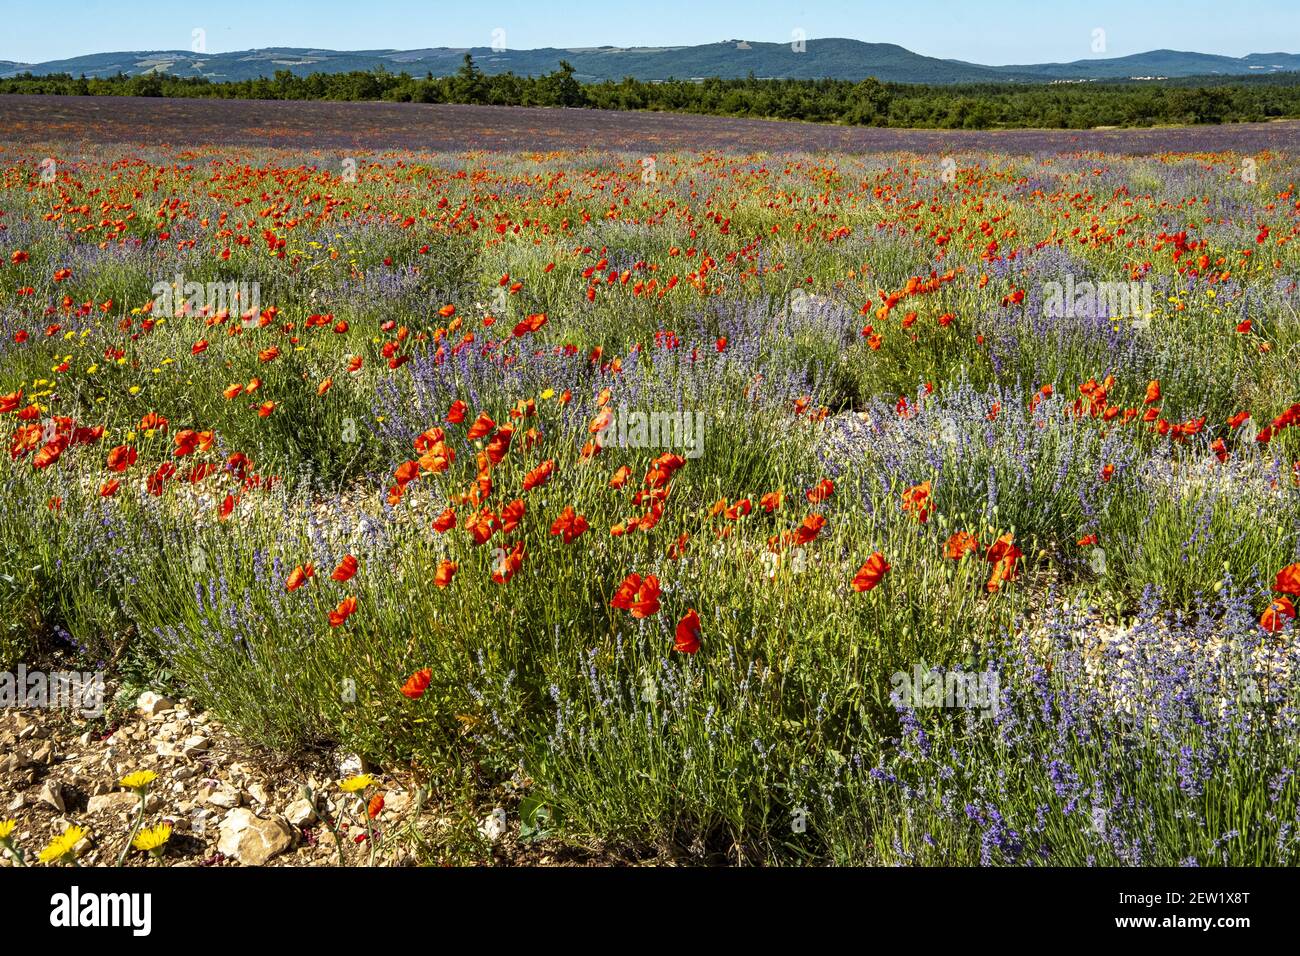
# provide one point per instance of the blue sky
(991, 31)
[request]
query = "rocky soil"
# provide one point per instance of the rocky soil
(228, 804)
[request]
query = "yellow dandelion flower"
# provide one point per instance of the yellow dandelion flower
(153, 838)
(358, 783)
(62, 845)
(138, 780)
(6, 828)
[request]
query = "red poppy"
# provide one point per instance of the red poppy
(871, 573)
(417, 684)
(1277, 614)
(739, 510)
(570, 525)
(820, 491)
(687, 637)
(499, 444)
(1003, 555)
(917, 500)
(510, 564)
(346, 569)
(638, 596)
(346, 608)
(446, 571)
(1288, 580)
(121, 458)
(961, 544)
(482, 426)
(809, 529)
(511, 515)
(531, 324)
(406, 472)
(298, 577)
(445, 521)
(539, 475)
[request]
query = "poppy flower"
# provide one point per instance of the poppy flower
(50, 453)
(511, 515)
(346, 570)
(1003, 555)
(686, 639)
(499, 444)
(1277, 614)
(446, 571)
(917, 500)
(417, 684)
(960, 544)
(569, 525)
(678, 547)
(481, 525)
(530, 324)
(820, 491)
(871, 573)
(406, 472)
(809, 529)
(121, 458)
(1288, 580)
(539, 475)
(1153, 392)
(299, 576)
(376, 806)
(445, 521)
(153, 422)
(482, 426)
(510, 564)
(739, 510)
(109, 488)
(346, 608)
(456, 413)
(638, 596)
(771, 501)
(620, 477)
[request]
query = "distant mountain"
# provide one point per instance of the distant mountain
(1163, 63)
(836, 58)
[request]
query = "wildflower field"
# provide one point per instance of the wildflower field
(884, 508)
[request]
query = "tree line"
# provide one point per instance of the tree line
(865, 103)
